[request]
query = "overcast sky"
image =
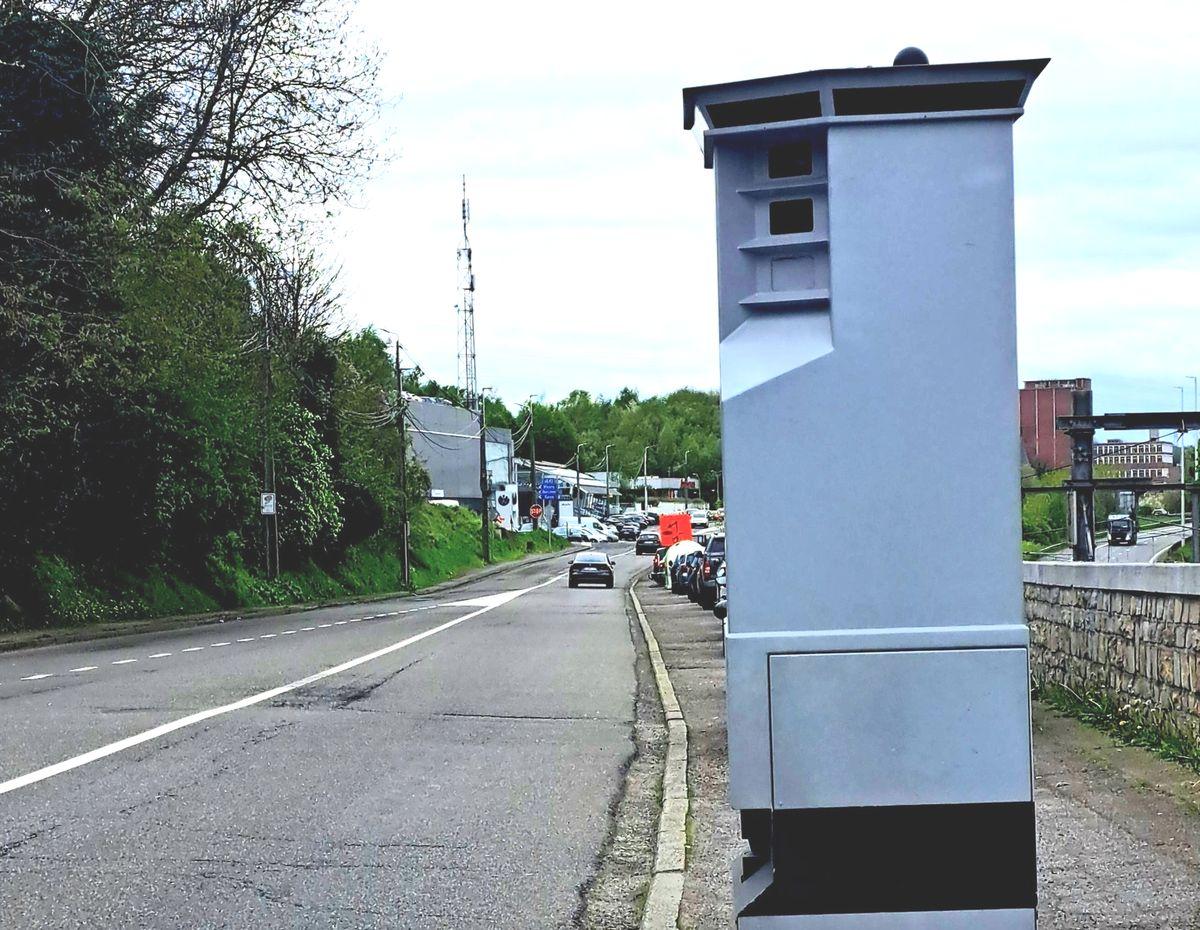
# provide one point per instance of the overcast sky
(592, 213)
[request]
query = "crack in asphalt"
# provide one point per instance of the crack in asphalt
(7, 849)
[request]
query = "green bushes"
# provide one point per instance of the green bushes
(445, 543)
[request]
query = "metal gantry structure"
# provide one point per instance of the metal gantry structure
(468, 379)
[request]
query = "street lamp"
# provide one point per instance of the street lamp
(686, 452)
(646, 479)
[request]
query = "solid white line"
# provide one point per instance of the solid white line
(38, 677)
(137, 739)
(124, 661)
(86, 668)
(160, 655)
(193, 649)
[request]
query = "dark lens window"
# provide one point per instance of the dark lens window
(789, 161)
(791, 216)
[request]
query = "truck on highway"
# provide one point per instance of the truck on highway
(1122, 529)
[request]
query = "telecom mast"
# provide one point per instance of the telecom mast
(466, 312)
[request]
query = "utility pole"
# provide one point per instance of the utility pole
(1182, 464)
(607, 507)
(270, 520)
(486, 536)
(578, 495)
(401, 416)
(534, 491)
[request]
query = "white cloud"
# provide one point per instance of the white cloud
(592, 213)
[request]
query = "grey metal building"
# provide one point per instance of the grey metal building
(445, 438)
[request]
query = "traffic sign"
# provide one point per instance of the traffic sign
(267, 504)
(535, 511)
(548, 489)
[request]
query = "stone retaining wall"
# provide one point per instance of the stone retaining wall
(1131, 630)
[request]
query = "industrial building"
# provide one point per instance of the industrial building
(1152, 459)
(445, 439)
(1041, 402)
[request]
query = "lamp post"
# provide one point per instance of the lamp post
(533, 482)
(683, 477)
(646, 479)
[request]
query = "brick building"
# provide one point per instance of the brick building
(1041, 403)
(1152, 458)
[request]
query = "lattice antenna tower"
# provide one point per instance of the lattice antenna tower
(466, 311)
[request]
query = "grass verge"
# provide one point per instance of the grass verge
(1134, 723)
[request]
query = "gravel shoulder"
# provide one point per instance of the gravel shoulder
(1118, 827)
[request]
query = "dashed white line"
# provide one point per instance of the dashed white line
(324, 626)
(250, 640)
(124, 661)
(355, 619)
(146, 736)
(287, 632)
(267, 636)
(38, 677)
(193, 649)
(86, 668)
(215, 645)
(307, 629)
(339, 623)
(160, 655)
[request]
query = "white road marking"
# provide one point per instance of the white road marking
(250, 640)
(146, 736)
(215, 645)
(287, 632)
(124, 661)
(355, 619)
(339, 623)
(324, 626)
(160, 655)
(307, 629)
(86, 668)
(38, 677)
(193, 649)
(267, 636)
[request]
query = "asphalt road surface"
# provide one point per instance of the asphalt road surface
(446, 761)
(1149, 544)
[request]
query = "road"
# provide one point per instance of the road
(1150, 543)
(427, 762)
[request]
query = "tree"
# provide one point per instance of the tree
(241, 105)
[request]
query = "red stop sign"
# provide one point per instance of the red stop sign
(535, 511)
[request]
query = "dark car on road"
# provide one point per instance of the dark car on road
(590, 568)
(706, 578)
(629, 530)
(648, 542)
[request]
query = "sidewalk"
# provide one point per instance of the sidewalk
(1118, 828)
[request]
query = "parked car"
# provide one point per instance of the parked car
(629, 530)
(658, 568)
(710, 562)
(647, 542)
(685, 568)
(721, 607)
(699, 516)
(590, 568)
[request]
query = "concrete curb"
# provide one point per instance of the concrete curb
(670, 861)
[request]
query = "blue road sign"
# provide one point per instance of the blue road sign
(548, 489)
